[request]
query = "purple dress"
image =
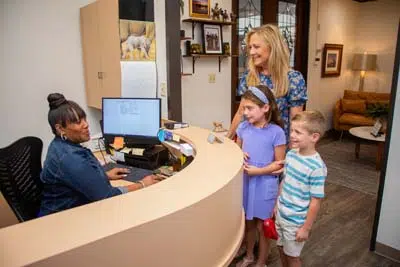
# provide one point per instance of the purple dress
(260, 192)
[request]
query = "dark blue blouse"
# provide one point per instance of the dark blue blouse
(72, 176)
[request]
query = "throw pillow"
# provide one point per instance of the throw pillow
(349, 94)
(354, 106)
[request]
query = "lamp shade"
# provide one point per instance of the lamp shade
(364, 62)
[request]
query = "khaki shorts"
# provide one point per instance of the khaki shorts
(287, 237)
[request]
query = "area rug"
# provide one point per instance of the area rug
(346, 170)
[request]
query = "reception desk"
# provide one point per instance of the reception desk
(193, 218)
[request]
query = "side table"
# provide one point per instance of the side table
(364, 132)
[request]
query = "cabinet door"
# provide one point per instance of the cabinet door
(91, 52)
(110, 48)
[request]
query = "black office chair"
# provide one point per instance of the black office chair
(20, 167)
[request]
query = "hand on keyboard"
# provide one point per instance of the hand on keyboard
(134, 174)
(150, 179)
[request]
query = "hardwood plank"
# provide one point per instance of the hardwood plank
(341, 234)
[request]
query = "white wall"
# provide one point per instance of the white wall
(371, 27)
(377, 24)
(203, 102)
(161, 54)
(42, 54)
(337, 25)
(389, 221)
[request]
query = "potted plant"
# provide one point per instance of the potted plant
(380, 112)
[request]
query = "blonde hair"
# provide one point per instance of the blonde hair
(273, 113)
(278, 62)
(313, 120)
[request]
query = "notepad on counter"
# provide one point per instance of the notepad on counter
(126, 150)
(118, 143)
(119, 156)
(137, 151)
(176, 138)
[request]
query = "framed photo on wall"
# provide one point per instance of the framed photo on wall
(332, 60)
(212, 39)
(199, 8)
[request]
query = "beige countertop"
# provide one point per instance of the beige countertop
(193, 218)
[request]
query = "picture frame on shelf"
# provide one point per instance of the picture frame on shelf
(331, 60)
(199, 8)
(212, 39)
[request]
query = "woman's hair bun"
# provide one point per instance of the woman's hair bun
(55, 100)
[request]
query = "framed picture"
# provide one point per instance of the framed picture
(138, 40)
(332, 60)
(212, 39)
(199, 8)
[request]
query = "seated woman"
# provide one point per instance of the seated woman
(71, 174)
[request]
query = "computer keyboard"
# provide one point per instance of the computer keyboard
(135, 174)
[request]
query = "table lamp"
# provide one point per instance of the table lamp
(364, 62)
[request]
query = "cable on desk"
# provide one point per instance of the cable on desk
(101, 150)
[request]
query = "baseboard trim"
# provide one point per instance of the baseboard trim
(387, 252)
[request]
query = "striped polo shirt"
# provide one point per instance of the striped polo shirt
(304, 177)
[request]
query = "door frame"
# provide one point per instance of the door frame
(393, 94)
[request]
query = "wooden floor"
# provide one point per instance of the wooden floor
(341, 235)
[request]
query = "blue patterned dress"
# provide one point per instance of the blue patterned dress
(296, 95)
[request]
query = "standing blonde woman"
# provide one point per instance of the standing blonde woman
(268, 65)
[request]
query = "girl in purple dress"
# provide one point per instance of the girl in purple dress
(262, 139)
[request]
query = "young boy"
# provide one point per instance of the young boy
(302, 187)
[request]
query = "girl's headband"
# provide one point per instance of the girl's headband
(259, 94)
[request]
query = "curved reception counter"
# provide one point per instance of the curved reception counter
(193, 218)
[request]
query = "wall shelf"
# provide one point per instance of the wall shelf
(197, 56)
(206, 21)
(194, 57)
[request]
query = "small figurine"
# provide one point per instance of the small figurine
(196, 49)
(227, 49)
(225, 16)
(233, 17)
(221, 13)
(218, 128)
(215, 12)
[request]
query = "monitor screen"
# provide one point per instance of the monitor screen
(136, 119)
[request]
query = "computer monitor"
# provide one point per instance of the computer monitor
(136, 119)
